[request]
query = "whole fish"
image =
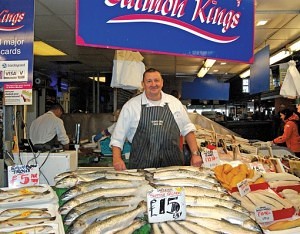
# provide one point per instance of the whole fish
(132, 227)
(72, 173)
(180, 229)
(42, 229)
(220, 213)
(66, 207)
(6, 193)
(166, 228)
(25, 212)
(197, 228)
(86, 219)
(213, 201)
(189, 168)
(70, 181)
(221, 226)
(191, 191)
(100, 202)
(117, 222)
(185, 182)
(171, 174)
(25, 197)
(8, 223)
(155, 228)
(99, 183)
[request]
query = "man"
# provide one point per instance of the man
(48, 129)
(153, 122)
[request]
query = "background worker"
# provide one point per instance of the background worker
(153, 122)
(49, 130)
(290, 133)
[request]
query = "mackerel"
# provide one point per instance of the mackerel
(100, 202)
(42, 229)
(180, 229)
(25, 197)
(221, 226)
(117, 222)
(25, 212)
(7, 193)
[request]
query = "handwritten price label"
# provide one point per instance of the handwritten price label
(210, 158)
(257, 166)
(264, 214)
(23, 175)
(243, 187)
(166, 204)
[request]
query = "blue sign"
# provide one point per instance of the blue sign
(206, 88)
(16, 40)
(222, 30)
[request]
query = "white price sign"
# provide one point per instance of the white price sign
(210, 158)
(257, 166)
(23, 175)
(264, 214)
(243, 187)
(166, 204)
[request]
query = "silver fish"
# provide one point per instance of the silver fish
(189, 168)
(24, 222)
(66, 207)
(179, 229)
(100, 202)
(185, 182)
(196, 228)
(101, 213)
(191, 191)
(171, 174)
(42, 229)
(72, 173)
(117, 222)
(96, 184)
(132, 227)
(220, 213)
(166, 228)
(213, 201)
(155, 228)
(222, 226)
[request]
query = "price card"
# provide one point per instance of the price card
(257, 166)
(264, 214)
(210, 158)
(166, 204)
(23, 175)
(243, 187)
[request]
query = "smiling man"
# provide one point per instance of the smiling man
(153, 122)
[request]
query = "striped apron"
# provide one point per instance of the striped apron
(156, 141)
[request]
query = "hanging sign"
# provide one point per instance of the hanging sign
(16, 40)
(23, 175)
(198, 28)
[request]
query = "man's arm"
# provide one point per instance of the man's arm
(118, 162)
(196, 159)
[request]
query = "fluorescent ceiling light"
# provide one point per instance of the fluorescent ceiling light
(223, 63)
(262, 22)
(42, 49)
(100, 79)
(279, 56)
(206, 66)
(245, 74)
(295, 46)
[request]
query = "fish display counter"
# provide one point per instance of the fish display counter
(104, 195)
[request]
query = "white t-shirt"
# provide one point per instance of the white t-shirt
(131, 112)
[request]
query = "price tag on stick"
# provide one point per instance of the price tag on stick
(264, 214)
(243, 187)
(210, 158)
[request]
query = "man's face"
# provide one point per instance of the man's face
(282, 116)
(58, 113)
(152, 84)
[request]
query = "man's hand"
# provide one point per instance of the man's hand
(119, 164)
(196, 161)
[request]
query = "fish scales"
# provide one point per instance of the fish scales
(100, 202)
(117, 222)
(83, 221)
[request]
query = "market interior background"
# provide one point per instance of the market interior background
(67, 78)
